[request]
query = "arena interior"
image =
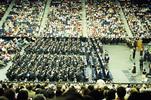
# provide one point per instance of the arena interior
(75, 49)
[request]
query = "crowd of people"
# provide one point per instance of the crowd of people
(138, 18)
(8, 48)
(42, 67)
(144, 56)
(73, 91)
(41, 61)
(64, 19)
(59, 58)
(59, 46)
(24, 19)
(103, 20)
(4, 55)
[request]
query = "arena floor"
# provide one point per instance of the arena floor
(120, 64)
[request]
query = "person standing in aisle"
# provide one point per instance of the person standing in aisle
(106, 58)
(134, 70)
(144, 78)
(135, 43)
(141, 64)
(140, 44)
(134, 52)
(141, 52)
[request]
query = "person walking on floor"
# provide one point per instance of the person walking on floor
(144, 78)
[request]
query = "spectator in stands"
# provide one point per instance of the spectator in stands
(39, 97)
(31, 93)
(66, 20)
(10, 94)
(22, 95)
(134, 96)
(3, 98)
(110, 94)
(101, 24)
(1, 91)
(121, 92)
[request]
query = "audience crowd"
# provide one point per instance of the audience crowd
(64, 19)
(103, 20)
(24, 19)
(138, 18)
(73, 91)
(7, 49)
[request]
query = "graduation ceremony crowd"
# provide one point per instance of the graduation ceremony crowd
(61, 64)
(64, 59)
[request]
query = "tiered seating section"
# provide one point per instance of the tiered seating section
(103, 20)
(24, 19)
(64, 19)
(67, 59)
(139, 19)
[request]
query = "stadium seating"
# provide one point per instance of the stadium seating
(61, 64)
(24, 19)
(64, 20)
(103, 20)
(138, 18)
